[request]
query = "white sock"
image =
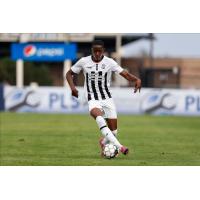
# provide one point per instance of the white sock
(101, 122)
(106, 131)
(115, 133)
(105, 140)
(109, 135)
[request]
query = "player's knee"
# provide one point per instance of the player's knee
(95, 112)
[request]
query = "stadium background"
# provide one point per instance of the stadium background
(33, 81)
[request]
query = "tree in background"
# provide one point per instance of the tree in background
(39, 73)
(7, 71)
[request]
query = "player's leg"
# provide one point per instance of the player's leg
(112, 125)
(97, 114)
(111, 118)
(110, 115)
(97, 110)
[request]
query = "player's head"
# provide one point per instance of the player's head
(97, 50)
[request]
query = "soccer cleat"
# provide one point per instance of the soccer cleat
(124, 150)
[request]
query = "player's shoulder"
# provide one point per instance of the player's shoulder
(84, 60)
(109, 60)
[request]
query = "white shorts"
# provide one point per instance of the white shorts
(107, 106)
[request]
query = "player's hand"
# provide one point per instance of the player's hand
(137, 85)
(75, 92)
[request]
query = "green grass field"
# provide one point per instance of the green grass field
(72, 140)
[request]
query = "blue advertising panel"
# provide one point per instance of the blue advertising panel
(43, 51)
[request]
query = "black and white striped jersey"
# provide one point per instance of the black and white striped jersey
(97, 76)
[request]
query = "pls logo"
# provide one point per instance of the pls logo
(29, 50)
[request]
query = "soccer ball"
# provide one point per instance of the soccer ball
(110, 151)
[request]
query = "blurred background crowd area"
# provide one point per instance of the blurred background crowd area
(160, 60)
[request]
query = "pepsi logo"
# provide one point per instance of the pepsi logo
(29, 50)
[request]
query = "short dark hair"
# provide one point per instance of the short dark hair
(98, 42)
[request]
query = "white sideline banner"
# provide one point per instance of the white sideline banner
(44, 99)
(59, 100)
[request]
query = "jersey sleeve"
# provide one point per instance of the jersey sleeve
(77, 67)
(115, 67)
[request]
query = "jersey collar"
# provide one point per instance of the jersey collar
(99, 61)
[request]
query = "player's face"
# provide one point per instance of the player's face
(97, 52)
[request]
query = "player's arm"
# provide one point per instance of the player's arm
(130, 77)
(69, 77)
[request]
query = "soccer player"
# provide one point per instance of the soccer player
(97, 69)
